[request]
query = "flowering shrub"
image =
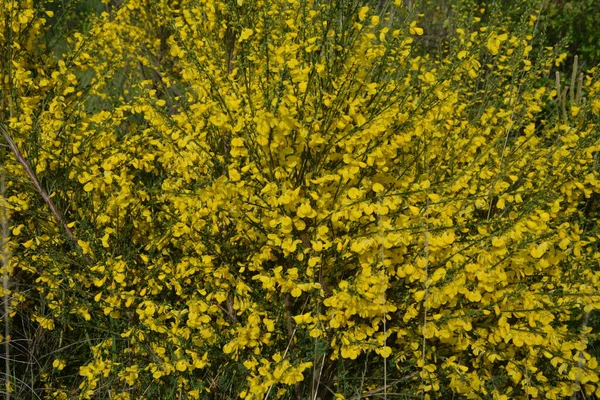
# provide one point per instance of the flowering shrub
(289, 199)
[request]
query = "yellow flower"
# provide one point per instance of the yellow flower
(538, 251)
(384, 352)
(362, 13)
(59, 364)
(246, 33)
(414, 29)
(378, 187)
(234, 175)
(181, 365)
(305, 211)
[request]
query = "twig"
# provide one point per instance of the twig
(362, 380)
(382, 388)
(229, 312)
(317, 379)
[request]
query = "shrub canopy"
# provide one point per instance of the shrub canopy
(296, 199)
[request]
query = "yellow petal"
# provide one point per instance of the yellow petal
(498, 242)
(362, 13)
(246, 33)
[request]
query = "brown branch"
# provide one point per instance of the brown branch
(29, 171)
(229, 311)
(230, 43)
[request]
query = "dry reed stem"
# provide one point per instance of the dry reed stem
(5, 257)
(575, 90)
(382, 259)
(426, 248)
(573, 77)
(317, 379)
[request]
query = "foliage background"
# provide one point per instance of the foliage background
(300, 199)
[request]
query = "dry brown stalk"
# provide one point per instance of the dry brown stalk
(4, 253)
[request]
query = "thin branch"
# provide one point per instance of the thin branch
(29, 171)
(380, 389)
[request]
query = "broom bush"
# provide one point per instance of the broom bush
(297, 199)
